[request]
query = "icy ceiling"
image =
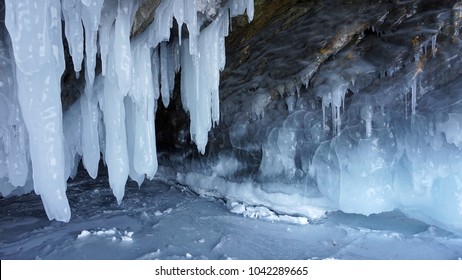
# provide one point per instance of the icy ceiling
(322, 105)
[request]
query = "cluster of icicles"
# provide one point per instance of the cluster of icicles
(115, 114)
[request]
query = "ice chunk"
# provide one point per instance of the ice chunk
(84, 234)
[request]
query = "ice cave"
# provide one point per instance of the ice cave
(230, 129)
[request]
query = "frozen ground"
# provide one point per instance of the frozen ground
(166, 221)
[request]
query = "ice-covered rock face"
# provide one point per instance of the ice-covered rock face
(323, 105)
(353, 108)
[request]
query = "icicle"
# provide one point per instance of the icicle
(406, 105)
(72, 13)
(178, 13)
(108, 15)
(155, 66)
(91, 13)
(434, 37)
(414, 84)
(122, 50)
(91, 16)
(324, 105)
(159, 30)
(130, 109)
(366, 115)
(413, 95)
(145, 152)
(174, 56)
(172, 66)
(72, 125)
(90, 135)
(187, 75)
(40, 64)
(190, 18)
(116, 155)
(250, 9)
(338, 97)
(164, 83)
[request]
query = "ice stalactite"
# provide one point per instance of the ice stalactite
(14, 155)
(72, 14)
(35, 30)
(143, 96)
(115, 115)
(91, 15)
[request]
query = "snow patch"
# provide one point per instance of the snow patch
(112, 234)
(251, 193)
(260, 212)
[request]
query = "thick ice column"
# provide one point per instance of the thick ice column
(122, 50)
(189, 91)
(35, 30)
(116, 155)
(142, 92)
(91, 15)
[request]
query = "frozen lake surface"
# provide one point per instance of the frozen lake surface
(163, 220)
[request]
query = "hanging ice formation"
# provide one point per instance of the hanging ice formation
(115, 115)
